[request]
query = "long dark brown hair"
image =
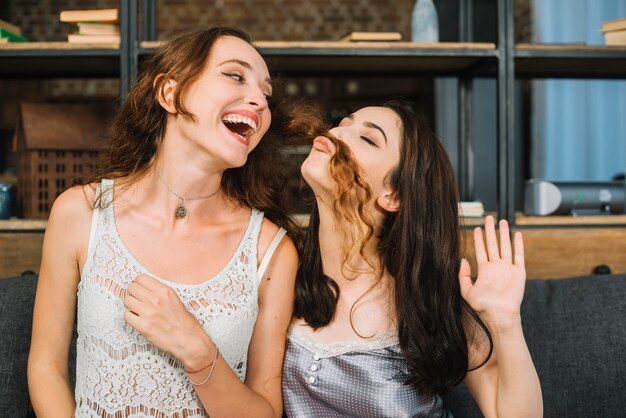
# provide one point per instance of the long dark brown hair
(419, 246)
(138, 129)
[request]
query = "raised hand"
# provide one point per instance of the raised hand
(498, 291)
(156, 312)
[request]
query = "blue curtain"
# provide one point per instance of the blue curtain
(578, 126)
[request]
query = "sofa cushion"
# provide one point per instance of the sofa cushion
(16, 316)
(17, 297)
(575, 333)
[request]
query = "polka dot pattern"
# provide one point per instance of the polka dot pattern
(364, 379)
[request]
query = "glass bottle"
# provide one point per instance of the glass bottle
(424, 22)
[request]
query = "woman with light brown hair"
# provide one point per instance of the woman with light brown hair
(387, 317)
(165, 259)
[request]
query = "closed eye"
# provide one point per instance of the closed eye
(369, 141)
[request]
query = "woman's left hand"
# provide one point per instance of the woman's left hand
(498, 291)
(156, 312)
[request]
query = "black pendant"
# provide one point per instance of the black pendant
(181, 211)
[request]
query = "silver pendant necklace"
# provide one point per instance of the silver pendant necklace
(181, 211)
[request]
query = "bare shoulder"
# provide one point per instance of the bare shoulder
(71, 214)
(286, 247)
(73, 204)
(268, 230)
(277, 286)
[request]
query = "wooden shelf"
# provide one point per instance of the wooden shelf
(16, 225)
(599, 220)
(567, 252)
(555, 253)
(269, 45)
(57, 46)
(570, 61)
(373, 58)
(21, 241)
(302, 219)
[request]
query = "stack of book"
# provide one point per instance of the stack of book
(10, 33)
(371, 37)
(471, 209)
(614, 32)
(93, 26)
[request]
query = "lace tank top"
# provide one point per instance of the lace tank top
(119, 373)
(363, 378)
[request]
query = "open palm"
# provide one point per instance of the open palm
(499, 288)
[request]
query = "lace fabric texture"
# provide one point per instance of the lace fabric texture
(119, 373)
(337, 348)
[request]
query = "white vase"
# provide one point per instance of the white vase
(424, 22)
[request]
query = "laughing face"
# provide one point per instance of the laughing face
(229, 101)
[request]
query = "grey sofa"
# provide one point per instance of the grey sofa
(576, 333)
(575, 330)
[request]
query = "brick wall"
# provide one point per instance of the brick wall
(523, 21)
(263, 19)
(287, 20)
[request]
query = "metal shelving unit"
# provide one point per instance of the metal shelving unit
(541, 61)
(504, 61)
(569, 61)
(61, 59)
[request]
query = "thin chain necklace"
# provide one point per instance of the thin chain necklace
(181, 211)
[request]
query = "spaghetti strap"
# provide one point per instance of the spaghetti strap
(94, 222)
(270, 251)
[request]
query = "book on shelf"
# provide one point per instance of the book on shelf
(99, 15)
(91, 28)
(75, 38)
(371, 37)
(616, 37)
(471, 209)
(11, 37)
(614, 32)
(10, 27)
(610, 25)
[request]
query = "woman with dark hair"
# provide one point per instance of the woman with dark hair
(165, 258)
(387, 317)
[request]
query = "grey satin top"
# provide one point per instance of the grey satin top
(351, 379)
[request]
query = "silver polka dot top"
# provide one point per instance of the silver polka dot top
(351, 379)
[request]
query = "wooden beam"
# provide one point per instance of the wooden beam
(19, 252)
(553, 253)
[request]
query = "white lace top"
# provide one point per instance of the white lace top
(119, 373)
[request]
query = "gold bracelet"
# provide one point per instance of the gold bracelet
(206, 379)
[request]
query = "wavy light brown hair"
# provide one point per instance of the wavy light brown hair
(351, 194)
(419, 246)
(139, 127)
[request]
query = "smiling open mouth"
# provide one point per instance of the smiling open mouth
(240, 125)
